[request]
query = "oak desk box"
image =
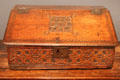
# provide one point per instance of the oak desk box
(60, 37)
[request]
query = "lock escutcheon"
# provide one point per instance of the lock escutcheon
(61, 52)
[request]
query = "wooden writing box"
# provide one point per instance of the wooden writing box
(60, 37)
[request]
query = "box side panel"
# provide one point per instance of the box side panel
(112, 27)
(29, 57)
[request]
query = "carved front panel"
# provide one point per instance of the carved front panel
(56, 56)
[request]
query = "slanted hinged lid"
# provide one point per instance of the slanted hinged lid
(60, 26)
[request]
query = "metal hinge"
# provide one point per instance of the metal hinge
(97, 11)
(23, 10)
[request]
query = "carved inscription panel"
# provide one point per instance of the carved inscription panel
(60, 24)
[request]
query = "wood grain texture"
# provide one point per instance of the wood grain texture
(46, 25)
(101, 74)
(85, 29)
(34, 28)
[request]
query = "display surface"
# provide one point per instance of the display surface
(60, 37)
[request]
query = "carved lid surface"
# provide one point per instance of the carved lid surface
(60, 26)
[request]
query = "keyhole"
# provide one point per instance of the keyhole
(57, 51)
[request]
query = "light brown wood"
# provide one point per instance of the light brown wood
(6, 73)
(85, 37)
(59, 26)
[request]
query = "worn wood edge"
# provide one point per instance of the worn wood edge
(101, 78)
(62, 44)
(57, 67)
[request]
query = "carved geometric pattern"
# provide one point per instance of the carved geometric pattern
(60, 24)
(78, 56)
